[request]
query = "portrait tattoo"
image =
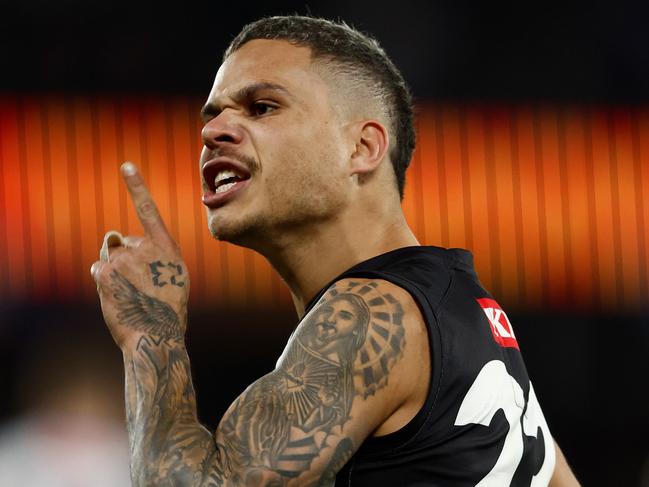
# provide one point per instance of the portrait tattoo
(170, 270)
(344, 349)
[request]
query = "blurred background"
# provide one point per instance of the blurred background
(533, 152)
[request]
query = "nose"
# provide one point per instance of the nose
(222, 129)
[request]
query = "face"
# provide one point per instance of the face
(274, 144)
(337, 323)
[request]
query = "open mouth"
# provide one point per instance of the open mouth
(223, 175)
(223, 178)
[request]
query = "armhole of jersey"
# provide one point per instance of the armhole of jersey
(400, 438)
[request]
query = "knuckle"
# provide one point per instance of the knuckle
(99, 270)
(95, 269)
(132, 242)
(147, 209)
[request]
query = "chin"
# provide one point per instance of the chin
(239, 231)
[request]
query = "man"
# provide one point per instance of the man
(402, 371)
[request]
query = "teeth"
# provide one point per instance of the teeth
(224, 187)
(225, 174)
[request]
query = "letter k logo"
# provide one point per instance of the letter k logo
(501, 328)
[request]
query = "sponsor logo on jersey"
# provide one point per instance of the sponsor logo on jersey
(501, 328)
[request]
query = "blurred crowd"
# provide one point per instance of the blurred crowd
(69, 428)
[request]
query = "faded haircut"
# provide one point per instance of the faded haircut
(358, 57)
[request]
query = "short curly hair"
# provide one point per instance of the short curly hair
(356, 55)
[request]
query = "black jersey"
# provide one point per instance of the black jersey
(481, 424)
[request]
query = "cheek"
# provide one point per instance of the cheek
(303, 164)
(299, 169)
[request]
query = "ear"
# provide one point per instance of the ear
(371, 146)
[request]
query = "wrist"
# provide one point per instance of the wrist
(133, 342)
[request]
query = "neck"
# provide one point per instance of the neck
(311, 259)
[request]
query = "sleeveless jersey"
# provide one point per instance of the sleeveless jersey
(481, 423)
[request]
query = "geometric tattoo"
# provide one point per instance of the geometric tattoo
(342, 351)
(176, 269)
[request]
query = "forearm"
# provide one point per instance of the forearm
(143, 287)
(168, 444)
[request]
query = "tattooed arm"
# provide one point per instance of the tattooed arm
(342, 377)
(333, 386)
(143, 289)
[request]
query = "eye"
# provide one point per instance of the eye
(346, 315)
(259, 108)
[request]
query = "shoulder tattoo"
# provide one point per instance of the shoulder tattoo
(345, 348)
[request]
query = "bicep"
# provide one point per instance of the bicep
(264, 441)
(336, 382)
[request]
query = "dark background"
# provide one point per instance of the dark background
(573, 51)
(589, 369)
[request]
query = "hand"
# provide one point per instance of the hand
(142, 282)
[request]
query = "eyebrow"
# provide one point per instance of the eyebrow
(212, 109)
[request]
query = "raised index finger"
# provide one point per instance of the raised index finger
(146, 209)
